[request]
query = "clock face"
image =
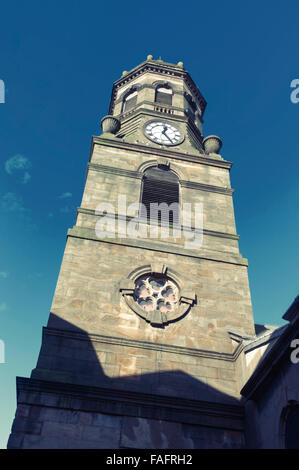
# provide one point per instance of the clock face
(163, 133)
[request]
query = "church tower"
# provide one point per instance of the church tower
(143, 347)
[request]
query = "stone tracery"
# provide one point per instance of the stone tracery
(156, 293)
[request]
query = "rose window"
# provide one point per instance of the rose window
(156, 293)
(155, 297)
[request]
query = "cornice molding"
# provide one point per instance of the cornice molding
(140, 106)
(139, 175)
(115, 170)
(152, 113)
(134, 343)
(92, 399)
(270, 365)
(207, 187)
(159, 68)
(262, 340)
(153, 151)
(213, 233)
(222, 257)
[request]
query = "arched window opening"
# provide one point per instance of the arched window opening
(291, 428)
(130, 101)
(164, 95)
(161, 185)
(191, 104)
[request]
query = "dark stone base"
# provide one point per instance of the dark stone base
(53, 415)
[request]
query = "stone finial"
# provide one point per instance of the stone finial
(110, 124)
(124, 73)
(180, 64)
(212, 144)
(149, 57)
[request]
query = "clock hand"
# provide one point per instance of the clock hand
(164, 132)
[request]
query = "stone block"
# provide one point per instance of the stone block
(106, 436)
(46, 442)
(53, 429)
(152, 434)
(25, 425)
(15, 441)
(100, 419)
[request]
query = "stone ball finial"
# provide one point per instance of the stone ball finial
(110, 124)
(180, 64)
(212, 144)
(150, 57)
(124, 73)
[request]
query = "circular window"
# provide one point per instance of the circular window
(155, 296)
(156, 293)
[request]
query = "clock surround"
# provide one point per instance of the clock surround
(162, 132)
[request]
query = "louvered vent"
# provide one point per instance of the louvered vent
(160, 185)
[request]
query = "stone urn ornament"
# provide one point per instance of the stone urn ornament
(110, 124)
(212, 144)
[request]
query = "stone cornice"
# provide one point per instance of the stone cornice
(162, 69)
(139, 175)
(115, 170)
(270, 364)
(229, 415)
(152, 113)
(147, 150)
(222, 257)
(213, 233)
(134, 343)
(207, 187)
(262, 340)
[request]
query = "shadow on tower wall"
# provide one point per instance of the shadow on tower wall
(75, 398)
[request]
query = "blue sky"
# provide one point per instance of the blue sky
(58, 61)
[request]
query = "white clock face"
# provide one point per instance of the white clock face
(162, 133)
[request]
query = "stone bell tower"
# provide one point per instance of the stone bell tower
(143, 344)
